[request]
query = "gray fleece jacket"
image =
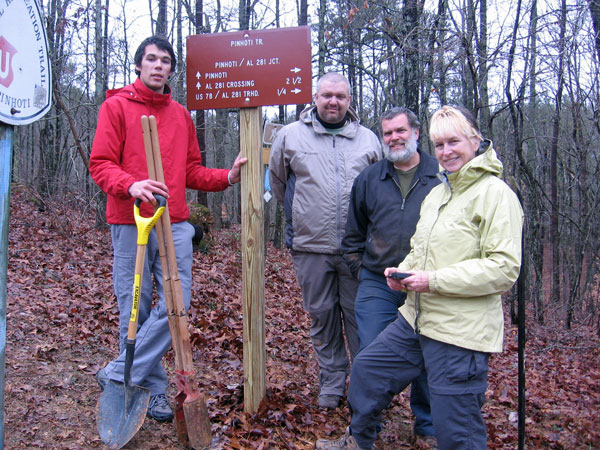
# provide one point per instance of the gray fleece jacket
(311, 172)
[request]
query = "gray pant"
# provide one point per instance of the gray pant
(153, 335)
(328, 293)
(457, 381)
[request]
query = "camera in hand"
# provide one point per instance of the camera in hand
(399, 275)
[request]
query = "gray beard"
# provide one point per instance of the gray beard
(402, 156)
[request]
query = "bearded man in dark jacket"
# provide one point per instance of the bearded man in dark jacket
(384, 210)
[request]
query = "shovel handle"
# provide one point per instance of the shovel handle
(145, 224)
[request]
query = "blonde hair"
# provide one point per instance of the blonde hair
(450, 120)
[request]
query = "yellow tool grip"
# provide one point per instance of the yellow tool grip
(145, 224)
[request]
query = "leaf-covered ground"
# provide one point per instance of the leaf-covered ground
(62, 328)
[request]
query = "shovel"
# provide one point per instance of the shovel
(122, 406)
(191, 415)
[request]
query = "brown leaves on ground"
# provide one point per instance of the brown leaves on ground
(62, 328)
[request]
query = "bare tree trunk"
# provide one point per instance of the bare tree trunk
(216, 198)
(595, 13)
(125, 66)
(180, 75)
(201, 114)
(161, 20)
(279, 233)
(412, 77)
(244, 14)
(436, 36)
(105, 48)
(469, 82)
(554, 223)
(442, 11)
(99, 80)
(482, 56)
(321, 37)
(302, 20)
(536, 247)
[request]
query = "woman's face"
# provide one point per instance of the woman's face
(455, 150)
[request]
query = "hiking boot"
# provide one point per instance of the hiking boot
(159, 409)
(102, 379)
(329, 401)
(346, 442)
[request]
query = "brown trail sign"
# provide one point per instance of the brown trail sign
(247, 70)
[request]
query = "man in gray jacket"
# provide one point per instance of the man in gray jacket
(313, 164)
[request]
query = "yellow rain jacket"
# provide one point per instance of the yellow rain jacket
(469, 240)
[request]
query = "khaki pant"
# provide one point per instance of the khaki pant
(328, 293)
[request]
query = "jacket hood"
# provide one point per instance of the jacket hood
(139, 92)
(486, 162)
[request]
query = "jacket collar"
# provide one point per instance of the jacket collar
(309, 117)
(427, 168)
(139, 92)
(485, 162)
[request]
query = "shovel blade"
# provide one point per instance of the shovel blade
(120, 412)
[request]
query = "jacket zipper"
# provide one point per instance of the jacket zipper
(442, 176)
(407, 194)
(338, 218)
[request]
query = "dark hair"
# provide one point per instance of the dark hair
(334, 77)
(161, 43)
(413, 120)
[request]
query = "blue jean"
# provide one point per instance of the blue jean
(376, 307)
(457, 380)
(153, 335)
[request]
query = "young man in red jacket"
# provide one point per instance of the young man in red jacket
(118, 166)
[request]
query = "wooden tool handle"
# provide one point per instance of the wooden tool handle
(165, 219)
(178, 302)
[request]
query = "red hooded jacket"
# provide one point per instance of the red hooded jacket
(118, 158)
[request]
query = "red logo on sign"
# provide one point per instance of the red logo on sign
(7, 51)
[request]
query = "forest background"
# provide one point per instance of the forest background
(528, 69)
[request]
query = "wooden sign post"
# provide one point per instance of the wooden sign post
(247, 70)
(253, 259)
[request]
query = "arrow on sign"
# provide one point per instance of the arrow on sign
(296, 91)
(198, 85)
(198, 75)
(295, 70)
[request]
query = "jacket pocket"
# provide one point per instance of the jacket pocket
(465, 365)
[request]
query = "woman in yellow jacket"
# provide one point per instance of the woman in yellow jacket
(466, 251)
